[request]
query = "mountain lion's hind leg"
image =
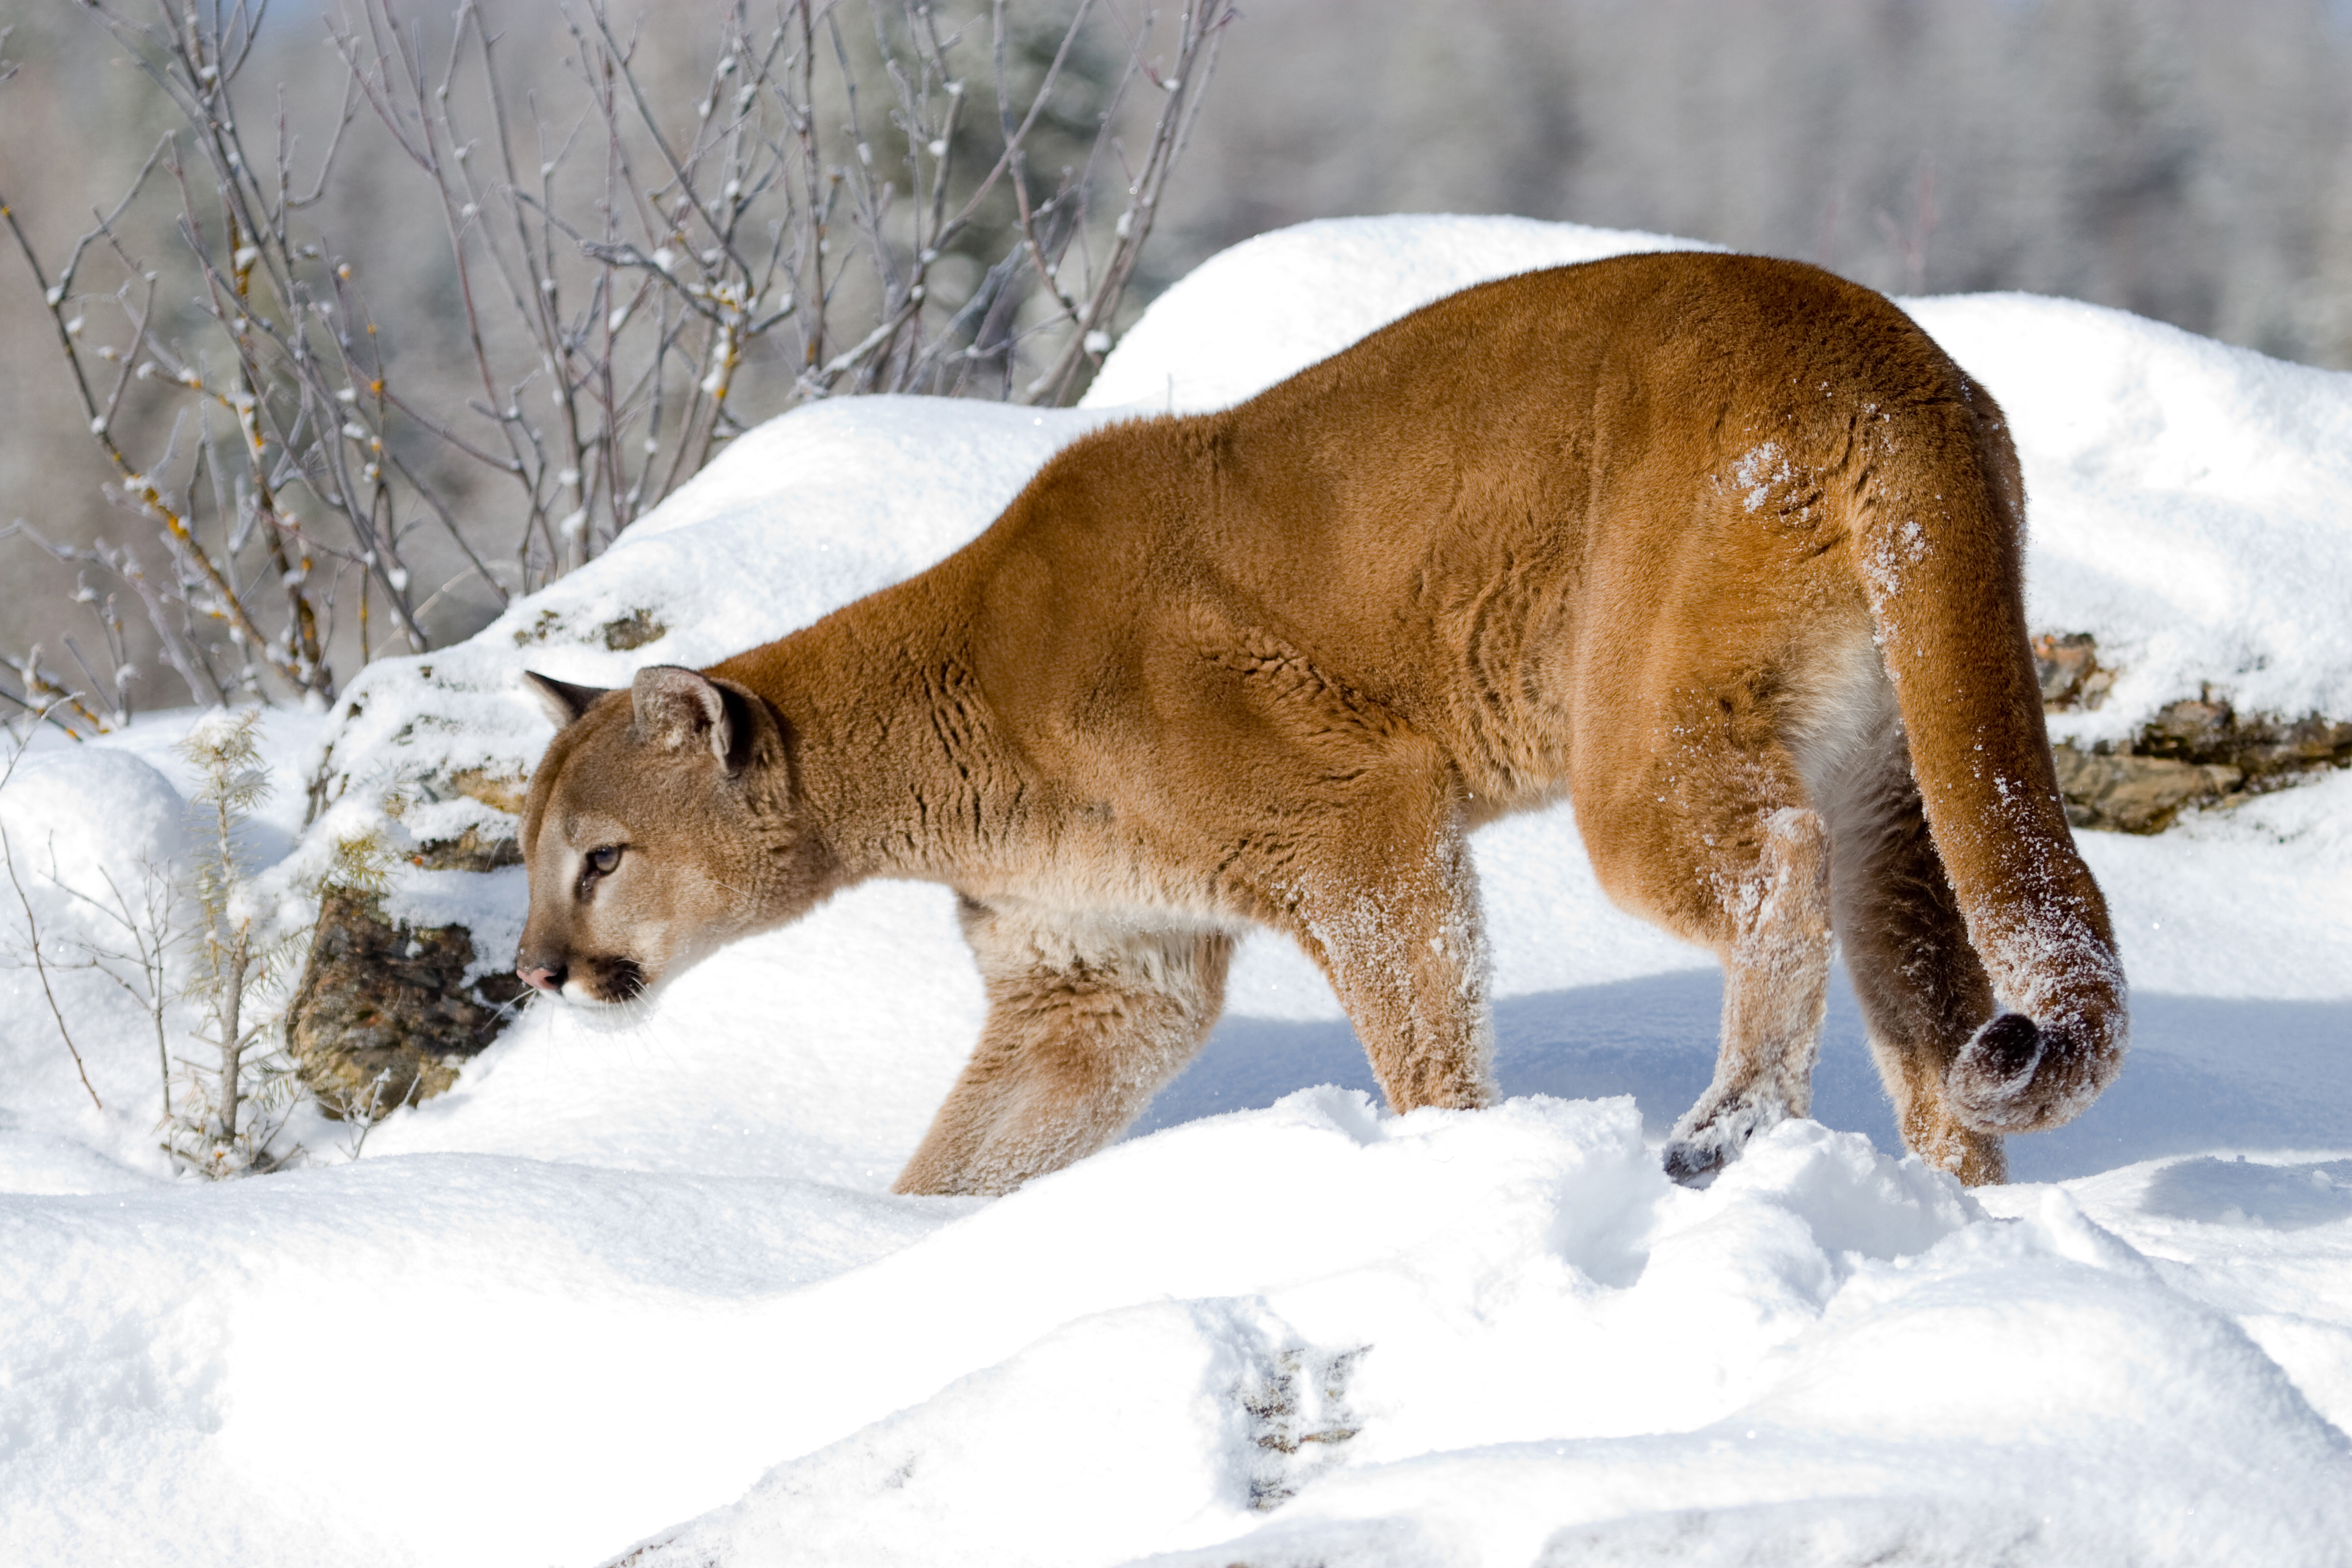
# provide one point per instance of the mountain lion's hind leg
(1775, 986)
(1085, 1022)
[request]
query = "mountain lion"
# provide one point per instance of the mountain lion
(1723, 549)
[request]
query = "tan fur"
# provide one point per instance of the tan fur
(1723, 548)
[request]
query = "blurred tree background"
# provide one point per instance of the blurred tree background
(2187, 160)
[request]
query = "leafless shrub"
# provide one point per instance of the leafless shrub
(855, 195)
(140, 926)
(36, 957)
(128, 936)
(187, 942)
(228, 1125)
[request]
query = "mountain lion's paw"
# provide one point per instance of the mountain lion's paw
(1711, 1133)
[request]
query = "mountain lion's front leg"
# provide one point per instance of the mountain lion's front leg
(1085, 1021)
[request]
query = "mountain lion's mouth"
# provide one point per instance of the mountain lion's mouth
(604, 983)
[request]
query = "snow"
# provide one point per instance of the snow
(1273, 305)
(2187, 503)
(638, 1277)
(1532, 1336)
(86, 819)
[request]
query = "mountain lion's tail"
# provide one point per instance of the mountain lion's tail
(1939, 544)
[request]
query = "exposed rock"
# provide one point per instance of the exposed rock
(635, 629)
(2188, 731)
(479, 848)
(483, 846)
(2068, 666)
(2196, 751)
(500, 792)
(2261, 746)
(384, 1015)
(538, 630)
(2128, 794)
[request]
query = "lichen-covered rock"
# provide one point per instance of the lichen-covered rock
(384, 1015)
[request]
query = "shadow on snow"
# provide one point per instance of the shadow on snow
(2205, 1074)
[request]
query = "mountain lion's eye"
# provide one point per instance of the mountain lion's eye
(602, 861)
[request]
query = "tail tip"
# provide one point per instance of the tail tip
(2017, 1076)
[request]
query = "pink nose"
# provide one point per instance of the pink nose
(541, 979)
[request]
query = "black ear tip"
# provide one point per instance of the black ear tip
(563, 701)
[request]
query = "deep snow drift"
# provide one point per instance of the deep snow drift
(639, 1272)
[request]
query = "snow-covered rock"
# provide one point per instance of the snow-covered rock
(2186, 512)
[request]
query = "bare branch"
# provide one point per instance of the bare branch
(33, 935)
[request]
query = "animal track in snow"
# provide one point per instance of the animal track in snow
(1300, 1419)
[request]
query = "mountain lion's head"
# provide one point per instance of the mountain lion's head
(661, 824)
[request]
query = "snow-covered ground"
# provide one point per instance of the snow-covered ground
(642, 1281)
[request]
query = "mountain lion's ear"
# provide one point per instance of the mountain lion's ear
(564, 702)
(676, 707)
